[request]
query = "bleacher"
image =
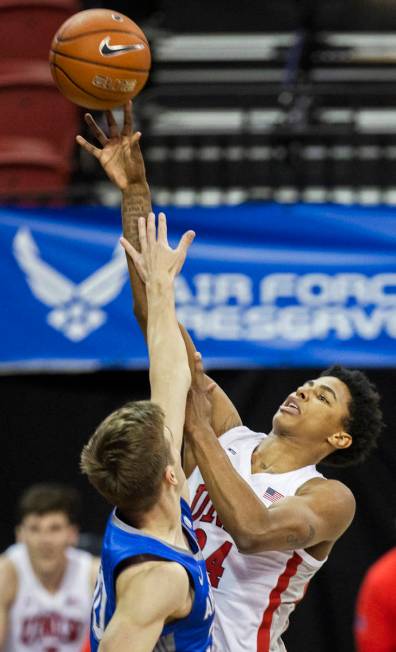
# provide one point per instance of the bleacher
(290, 101)
(297, 105)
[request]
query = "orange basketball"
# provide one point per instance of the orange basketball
(100, 58)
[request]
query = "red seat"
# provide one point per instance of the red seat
(28, 166)
(32, 106)
(28, 26)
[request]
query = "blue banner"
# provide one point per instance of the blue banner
(265, 285)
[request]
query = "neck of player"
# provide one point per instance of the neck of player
(280, 454)
(162, 521)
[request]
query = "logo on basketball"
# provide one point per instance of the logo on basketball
(109, 50)
(76, 308)
(111, 84)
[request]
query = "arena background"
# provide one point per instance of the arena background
(311, 109)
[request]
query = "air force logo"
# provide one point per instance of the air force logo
(76, 309)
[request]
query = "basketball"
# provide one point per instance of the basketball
(99, 59)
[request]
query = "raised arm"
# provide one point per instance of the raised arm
(121, 158)
(146, 598)
(157, 265)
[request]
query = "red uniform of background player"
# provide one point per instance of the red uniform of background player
(375, 626)
(86, 647)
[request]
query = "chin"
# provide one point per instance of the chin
(277, 422)
(281, 424)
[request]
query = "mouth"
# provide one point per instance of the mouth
(290, 406)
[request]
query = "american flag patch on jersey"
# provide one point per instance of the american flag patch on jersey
(272, 495)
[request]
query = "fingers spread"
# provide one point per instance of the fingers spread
(136, 138)
(198, 364)
(130, 249)
(91, 149)
(127, 128)
(113, 128)
(162, 229)
(95, 129)
(151, 229)
(185, 241)
(142, 233)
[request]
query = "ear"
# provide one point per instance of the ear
(340, 440)
(170, 476)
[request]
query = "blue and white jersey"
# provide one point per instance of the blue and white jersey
(123, 542)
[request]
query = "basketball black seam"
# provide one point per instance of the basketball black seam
(100, 31)
(97, 63)
(101, 99)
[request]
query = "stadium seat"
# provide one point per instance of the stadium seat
(30, 167)
(28, 26)
(31, 105)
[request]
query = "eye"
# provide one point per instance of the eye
(323, 398)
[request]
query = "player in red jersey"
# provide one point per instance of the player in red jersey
(86, 647)
(375, 623)
(266, 518)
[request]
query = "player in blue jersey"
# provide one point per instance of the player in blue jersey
(152, 591)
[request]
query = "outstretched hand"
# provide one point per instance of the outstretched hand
(199, 400)
(120, 154)
(157, 260)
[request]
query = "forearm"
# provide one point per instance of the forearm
(167, 352)
(136, 202)
(240, 510)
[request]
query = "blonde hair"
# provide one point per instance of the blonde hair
(126, 457)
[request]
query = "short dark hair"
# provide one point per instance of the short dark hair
(126, 457)
(364, 423)
(48, 497)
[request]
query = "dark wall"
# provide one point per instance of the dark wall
(45, 420)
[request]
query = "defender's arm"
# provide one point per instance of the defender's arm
(224, 413)
(146, 600)
(158, 264)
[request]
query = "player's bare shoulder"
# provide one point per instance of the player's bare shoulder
(160, 585)
(8, 581)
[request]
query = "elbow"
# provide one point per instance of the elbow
(249, 543)
(247, 540)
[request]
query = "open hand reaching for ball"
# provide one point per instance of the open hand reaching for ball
(157, 261)
(120, 154)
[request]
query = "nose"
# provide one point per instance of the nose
(302, 393)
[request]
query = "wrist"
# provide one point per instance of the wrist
(135, 187)
(159, 291)
(200, 432)
(159, 285)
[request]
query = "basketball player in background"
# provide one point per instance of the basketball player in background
(267, 519)
(46, 584)
(152, 590)
(375, 615)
